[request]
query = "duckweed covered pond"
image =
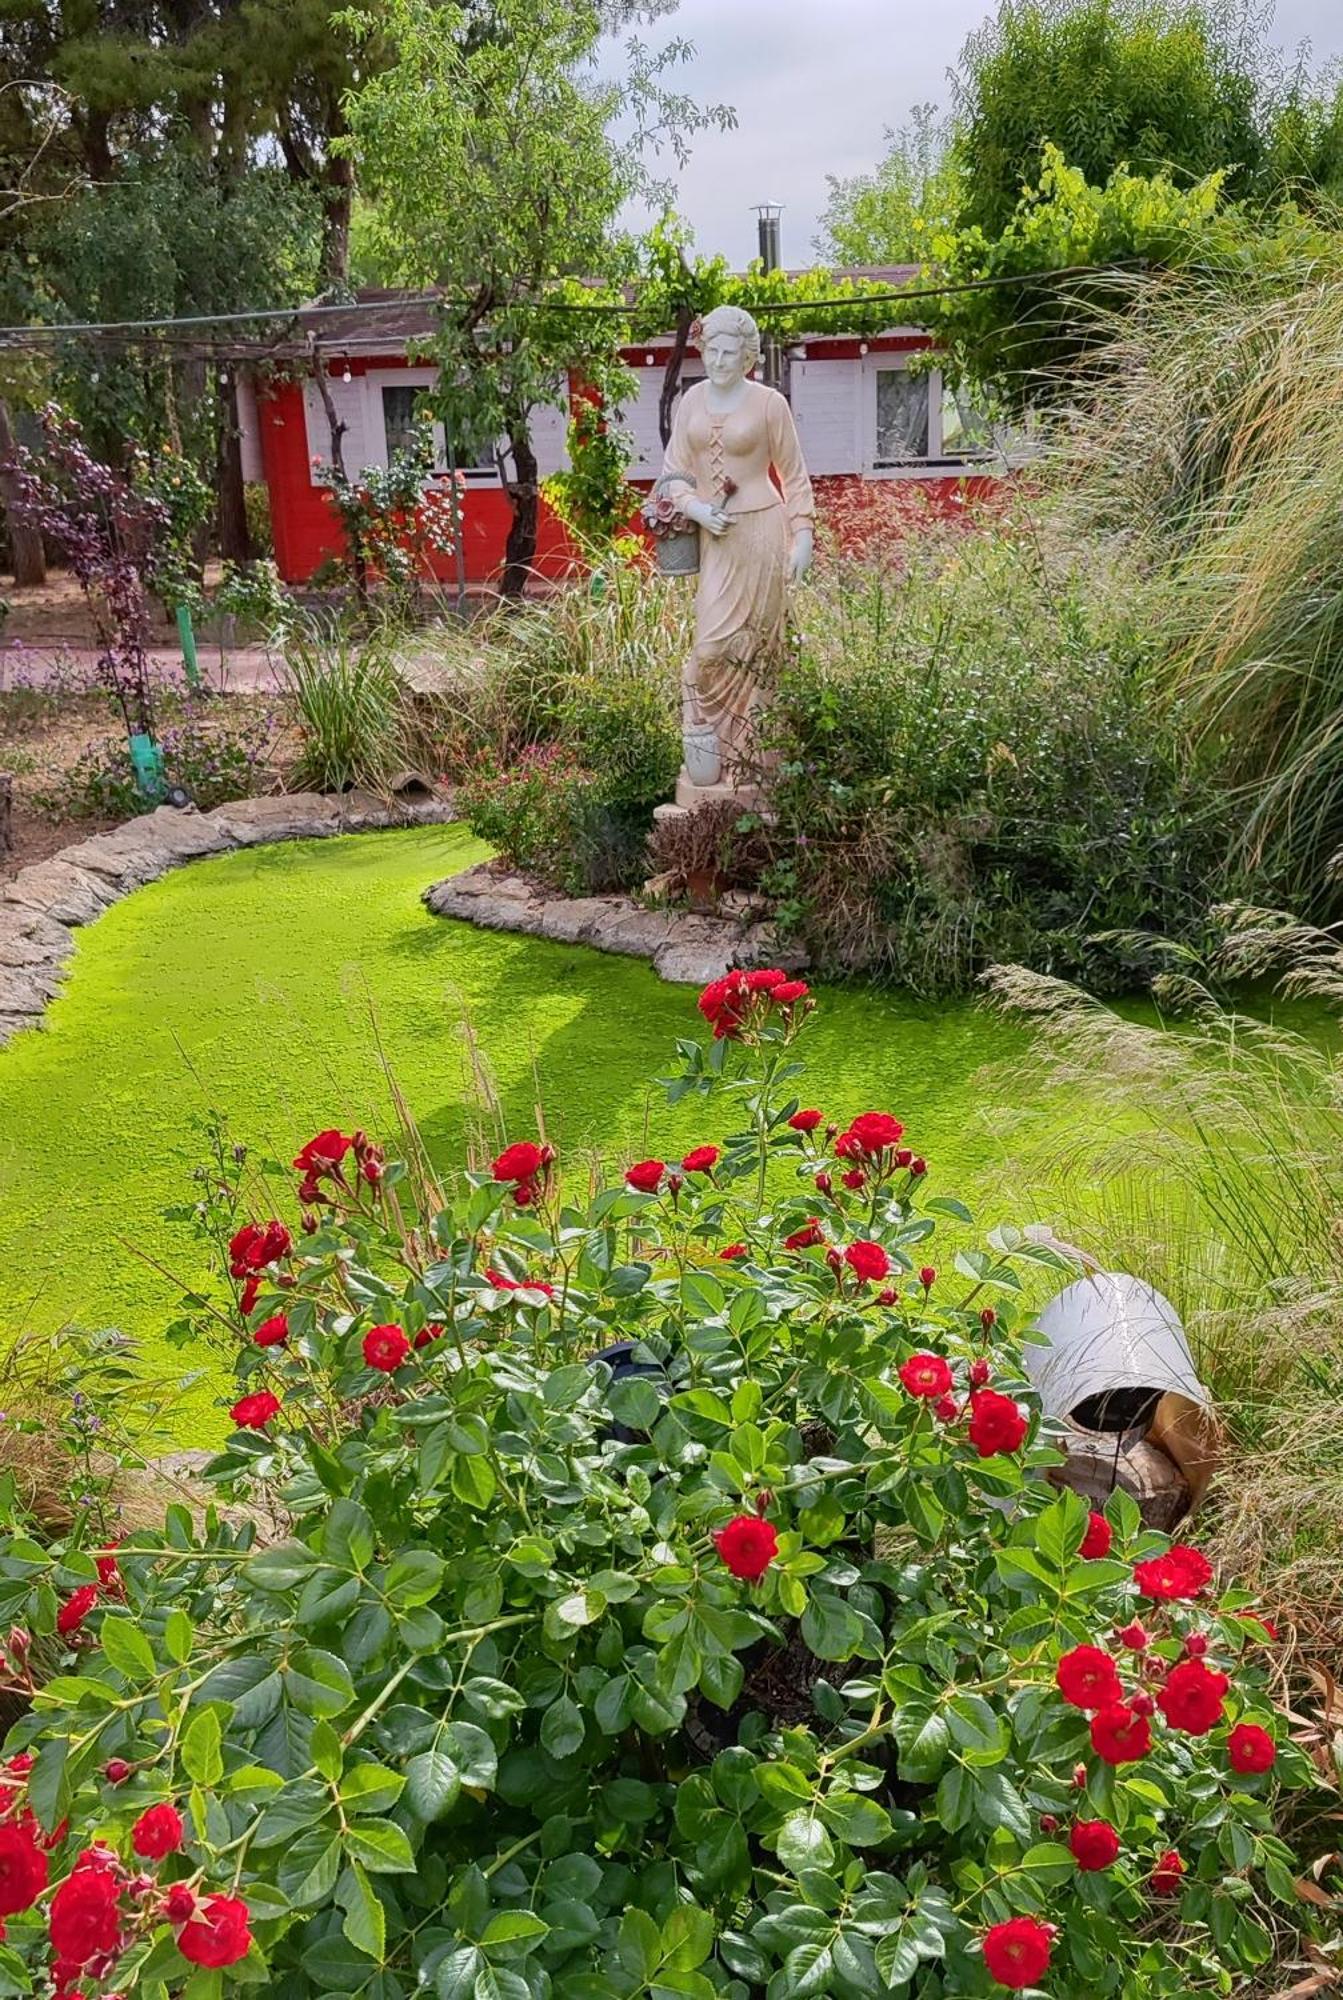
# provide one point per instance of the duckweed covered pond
(282, 986)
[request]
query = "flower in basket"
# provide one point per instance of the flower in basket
(663, 517)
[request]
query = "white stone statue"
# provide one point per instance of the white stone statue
(729, 433)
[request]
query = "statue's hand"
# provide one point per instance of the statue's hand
(713, 519)
(800, 561)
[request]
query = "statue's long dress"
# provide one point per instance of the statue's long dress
(741, 601)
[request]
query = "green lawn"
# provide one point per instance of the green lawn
(260, 985)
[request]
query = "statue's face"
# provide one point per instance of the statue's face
(725, 359)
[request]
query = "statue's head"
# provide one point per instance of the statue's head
(730, 344)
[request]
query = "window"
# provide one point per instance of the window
(400, 422)
(902, 417)
(916, 423)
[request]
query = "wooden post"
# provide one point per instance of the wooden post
(27, 556)
(6, 812)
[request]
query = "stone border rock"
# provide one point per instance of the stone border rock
(44, 903)
(685, 948)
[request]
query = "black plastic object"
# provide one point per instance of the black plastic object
(175, 796)
(1117, 1410)
(622, 1364)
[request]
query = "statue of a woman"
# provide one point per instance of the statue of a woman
(729, 433)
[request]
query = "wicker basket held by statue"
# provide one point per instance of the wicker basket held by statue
(675, 539)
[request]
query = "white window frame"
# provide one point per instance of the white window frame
(375, 381)
(936, 460)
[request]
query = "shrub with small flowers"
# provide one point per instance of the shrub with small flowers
(672, 1603)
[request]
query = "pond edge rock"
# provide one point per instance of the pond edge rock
(42, 906)
(686, 948)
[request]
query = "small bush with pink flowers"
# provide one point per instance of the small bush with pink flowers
(672, 1604)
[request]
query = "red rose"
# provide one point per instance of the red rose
(724, 1003)
(996, 1424)
(272, 1332)
(1088, 1678)
(254, 1412)
(872, 1131)
(1167, 1874)
(700, 1160)
(385, 1348)
(1097, 1539)
(85, 1921)
(23, 1870)
(323, 1154)
(946, 1409)
(805, 1121)
(853, 1180)
(848, 1148)
(789, 992)
(179, 1903)
(767, 980)
(248, 1296)
(1196, 1645)
(1016, 1953)
(747, 1545)
(1135, 1637)
(1094, 1845)
(1118, 1736)
(733, 1253)
(1250, 1749)
(157, 1832)
(1192, 1697)
(76, 1608)
(980, 1374)
(109, 1575)
(217, 1935)
(1181, 1573)
(520, 1162)
(925, 1375)
(434, 1331)
(257, 1244)
(806, 1238)
(927, 1277)
(309, 1192)
(645, 1176)
(868, 1262)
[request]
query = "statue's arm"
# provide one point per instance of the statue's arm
(798, 498)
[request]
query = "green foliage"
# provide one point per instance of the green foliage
(254, 593)
(351, 707)
(593, 498)
(971, 769)
(496, 1717)
(890, 215)
(1211, 443)
(1159, 87)
(1027, 338)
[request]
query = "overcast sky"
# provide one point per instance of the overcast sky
(814, 84)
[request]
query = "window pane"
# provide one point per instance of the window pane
(965, 433)
(398, 419)
(902, 416)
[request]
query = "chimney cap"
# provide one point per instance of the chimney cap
(771, 210)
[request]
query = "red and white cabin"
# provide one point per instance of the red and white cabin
(863, 418)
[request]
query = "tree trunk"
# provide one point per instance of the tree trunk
(671, 379)
(337, 200)
(6, 812)
(28, 558)
(525, 494)
(235, 543)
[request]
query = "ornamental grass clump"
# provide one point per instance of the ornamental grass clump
(672, 1604)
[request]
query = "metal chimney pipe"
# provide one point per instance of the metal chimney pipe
(767, 235)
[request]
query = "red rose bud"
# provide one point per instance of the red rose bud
(1167, 1874)
(833, 1259)
(309, 1223)
(980, 1374)
(116, 1770)
(1079, 1777)
(1196, 1645)
(824, 1184)
(946, 1409)
(904, 1158)
(732, 1253)
(1048, 1823)
(917, 1167)
(76, 1609)
(764, 1500)
(888, 1296)
(927, 1277)
(805, 1121)
(747, 1546)
(1135, 1637)
(179, 1905)
(1143, 1704)
(988, 1318)
(855, 1179)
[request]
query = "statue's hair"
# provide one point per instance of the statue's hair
(735, 320)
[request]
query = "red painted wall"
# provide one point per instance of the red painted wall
(306, 530)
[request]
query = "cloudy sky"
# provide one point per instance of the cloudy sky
(814, 84)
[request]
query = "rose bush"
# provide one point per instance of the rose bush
(671, 1604)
